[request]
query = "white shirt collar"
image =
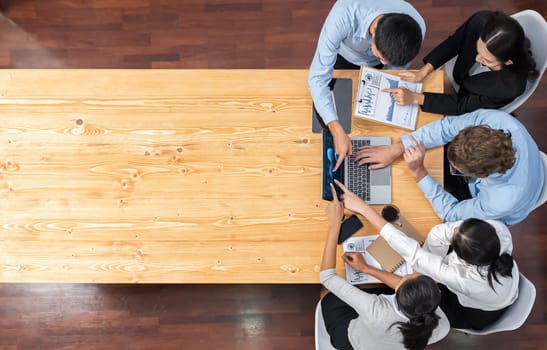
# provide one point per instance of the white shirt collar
(391, 299)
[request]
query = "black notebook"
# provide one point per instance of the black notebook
(342, 91)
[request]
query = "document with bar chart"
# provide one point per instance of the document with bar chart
(360, 245)
(374, 104)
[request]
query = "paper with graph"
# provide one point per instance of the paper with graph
(360, 244)
(374, 104)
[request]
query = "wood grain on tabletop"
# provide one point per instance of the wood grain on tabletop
(129, 176)
(213, 34)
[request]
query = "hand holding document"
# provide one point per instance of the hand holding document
(360, 244)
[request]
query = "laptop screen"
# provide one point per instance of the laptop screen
(373, 186)
(329, 161)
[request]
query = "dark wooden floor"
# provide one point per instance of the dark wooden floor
(213, 34)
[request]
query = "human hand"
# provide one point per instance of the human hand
(335, 209)
(417, 76)
(342, 142)
(414, 158)
(357, 205)
(412, 76)
(403, 96)
(351, 200)
(378, 157)
(356, 261)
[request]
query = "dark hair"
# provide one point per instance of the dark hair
(477, 243)
(398, 37)
(480, 151)
(505, 39)
(418, 298)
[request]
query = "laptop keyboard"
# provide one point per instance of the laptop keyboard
(358, 179)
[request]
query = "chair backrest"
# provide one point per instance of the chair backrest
(535, 27)
(543, 196)
(322, 338)
(516, 314)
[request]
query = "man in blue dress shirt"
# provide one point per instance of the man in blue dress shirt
(372, 33)
(491, 148)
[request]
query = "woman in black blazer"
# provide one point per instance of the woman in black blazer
(492, 39)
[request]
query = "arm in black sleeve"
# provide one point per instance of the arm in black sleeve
(464, 38)
(492, 89)
(455, 104)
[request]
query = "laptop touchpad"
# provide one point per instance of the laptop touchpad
(380, 177)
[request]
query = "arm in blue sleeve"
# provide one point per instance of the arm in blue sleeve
(449, 208)
(442, 131)
(334, 31)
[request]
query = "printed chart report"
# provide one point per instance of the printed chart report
(360, 244)
(372, 103)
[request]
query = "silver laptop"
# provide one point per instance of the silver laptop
(373, 186)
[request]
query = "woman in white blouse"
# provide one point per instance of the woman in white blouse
(471, 260)
(360, 319)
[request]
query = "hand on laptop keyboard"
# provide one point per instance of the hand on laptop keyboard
(379, 156)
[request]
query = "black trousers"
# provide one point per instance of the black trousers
(342, 63)
(465, 317)
(337, 315)
(455, 185)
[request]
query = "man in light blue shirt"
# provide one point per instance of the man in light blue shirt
(493, 149)
(361, 32)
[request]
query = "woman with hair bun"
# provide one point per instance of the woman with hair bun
(377, 319)
(490, 39)
(470, 259)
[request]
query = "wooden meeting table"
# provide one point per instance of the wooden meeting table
(171, 176)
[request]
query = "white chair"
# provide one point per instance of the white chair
(543, 196)
(535, 28)
(322, 338)
(517, 313)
